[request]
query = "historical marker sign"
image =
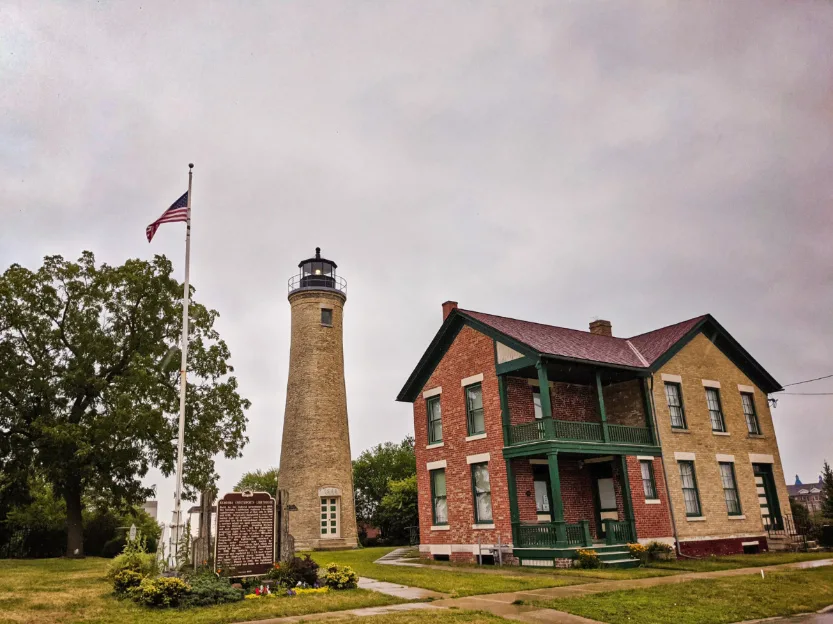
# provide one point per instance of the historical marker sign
(245, 543)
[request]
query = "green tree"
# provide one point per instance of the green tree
(827, 491)
(372, 471)
(89, 382)
(259, 481)
(398, 509)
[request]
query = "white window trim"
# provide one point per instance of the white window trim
(436, 465)
(721, 433)
(435, 445)
(737, 517)
(441, 527)
(757, 458)
(709, 383)
(653, 501)
(672, 378)
(696, 518)
(476, 436)
(747, 389)
(755, 543)
(471, 380)
(482, 526)
(480, 458)
(432, 392)
(678, 456)
(725, 458)
(649, 458)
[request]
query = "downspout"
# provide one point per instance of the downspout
(665, 477)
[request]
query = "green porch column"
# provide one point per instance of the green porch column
(504, 411)
(602, 414)
(514, 516)
(627, 501)
(546, 405)
(555, 499)
(649, 412)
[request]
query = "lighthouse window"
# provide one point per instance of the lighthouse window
(326, 317)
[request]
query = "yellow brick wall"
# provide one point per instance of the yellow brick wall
(700, 360)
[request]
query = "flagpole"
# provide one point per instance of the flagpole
(180, 449)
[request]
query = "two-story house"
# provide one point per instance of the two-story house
(547, 440)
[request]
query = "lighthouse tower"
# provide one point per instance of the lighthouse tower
(316, 466)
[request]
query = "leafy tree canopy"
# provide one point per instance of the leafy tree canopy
(374, 468)
(89, 382)
(827, 491)
(259, 481)
(398, 509)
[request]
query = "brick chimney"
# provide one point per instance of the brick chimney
(448, 306)
(601, 328)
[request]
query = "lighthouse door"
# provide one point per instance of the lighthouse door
(330, 513)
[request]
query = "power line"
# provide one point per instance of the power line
(810, 393)
(798, 383)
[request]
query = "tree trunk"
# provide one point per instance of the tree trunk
(75, 529)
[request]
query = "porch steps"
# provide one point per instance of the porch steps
(627, 562)
(615, 557)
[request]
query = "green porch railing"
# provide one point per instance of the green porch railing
(619, 532)
(579, 431)
(552, 535)
(629, 435)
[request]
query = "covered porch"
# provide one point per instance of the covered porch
(563, 501)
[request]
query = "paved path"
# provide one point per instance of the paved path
(351, 613)
(400, 591)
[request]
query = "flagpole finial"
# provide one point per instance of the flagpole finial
(190, 165)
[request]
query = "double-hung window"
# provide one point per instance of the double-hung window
(675, 405)
(435, 420)
(715, 411)
(536, 403)
(752, 423)
(439, 502)
(649, 486)
(730, 488)
(474, 409)
(690, 494)
(482, 493)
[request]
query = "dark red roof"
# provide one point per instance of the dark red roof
(638, 352)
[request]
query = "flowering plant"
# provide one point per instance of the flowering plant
(340, 576)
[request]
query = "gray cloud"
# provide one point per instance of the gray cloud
(554, 162)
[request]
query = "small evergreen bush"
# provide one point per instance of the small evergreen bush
(588, 559)
(209, 589)
(340, 576)
(161, 592)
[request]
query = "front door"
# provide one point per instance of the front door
(604, 495)
(329, 517)
(768, 497)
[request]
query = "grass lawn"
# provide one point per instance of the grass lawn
(709, 601)
(60, 591)
(459, 582)
(731, 562)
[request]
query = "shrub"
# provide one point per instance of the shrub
(209, 589)
(134, 557)
(659, 551)
(302, 570)
(589, 559)
(282, 575)
(638, 551)
(161, 592)
(125, 580)
(340, 576)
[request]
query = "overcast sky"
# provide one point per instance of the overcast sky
(556, 162)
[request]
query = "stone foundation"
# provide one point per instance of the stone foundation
(728, 546)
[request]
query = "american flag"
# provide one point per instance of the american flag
(177, 212)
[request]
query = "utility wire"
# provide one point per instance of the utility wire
(810, 393)
(798, 383)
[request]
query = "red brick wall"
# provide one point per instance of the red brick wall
(624, 404)
(524, 480)
(574, 402)
(519, 399)
(576, 493)
(728, 546)
(470, 353)
(651, 520)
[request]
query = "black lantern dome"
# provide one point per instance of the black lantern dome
(317, 274)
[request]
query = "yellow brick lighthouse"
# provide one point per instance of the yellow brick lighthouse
(315, 463)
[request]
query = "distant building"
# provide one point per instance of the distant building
(151, 508)
(811, 496)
